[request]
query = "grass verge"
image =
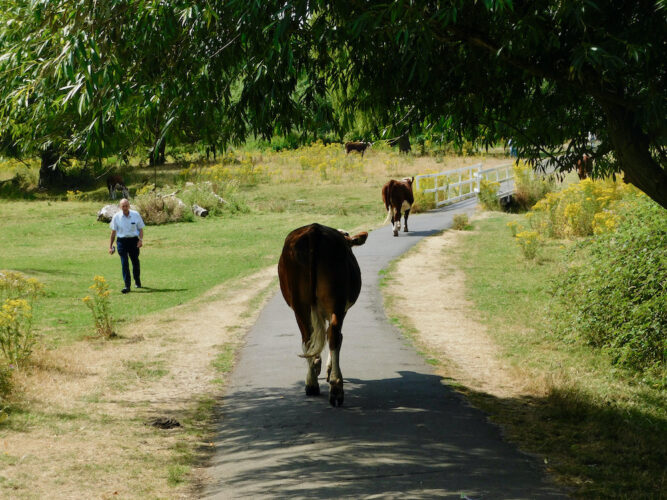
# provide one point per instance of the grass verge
(600, 431)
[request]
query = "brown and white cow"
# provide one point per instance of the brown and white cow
(584, 165)
(320, 280)
(116, 183)
(357, 146)
(397, 196)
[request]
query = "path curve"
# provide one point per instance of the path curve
(400, 434)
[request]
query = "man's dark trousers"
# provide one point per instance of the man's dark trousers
(127, 247)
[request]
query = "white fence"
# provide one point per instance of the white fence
(456, 185)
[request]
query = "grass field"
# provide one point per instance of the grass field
(60, 242)
(601, 430)
(205, 280)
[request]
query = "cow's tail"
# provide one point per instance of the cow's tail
(317, 321)
(319, 335)
(390, 215)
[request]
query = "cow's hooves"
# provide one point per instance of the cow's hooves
(405, 230)
(395, 233)
(336, 399)
(336, 394)
(312, 390)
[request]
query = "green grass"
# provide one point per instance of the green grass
(62, 245)
(601, 431)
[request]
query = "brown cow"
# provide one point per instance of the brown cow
(116, 183)
(584, 165)
(357, 146)
(320, 280)
(397, 196)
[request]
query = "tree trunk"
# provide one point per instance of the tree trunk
(50, 174)
(631, 146)
(404, 144)
(199, 211)
(159, 158)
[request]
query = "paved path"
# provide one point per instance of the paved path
(400, 433)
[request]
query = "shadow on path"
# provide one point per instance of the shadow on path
(391, 438)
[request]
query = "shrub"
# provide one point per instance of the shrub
(582, 209)
(460, 222)
(616, 287)
(423, 202)
(99, 305)
(156, 208)
(529, 242)
(18, 294)
(488, 195)
(514, 228)
(203, 195)
(16, 335)
(529, 188)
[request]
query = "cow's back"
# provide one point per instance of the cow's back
(317, 266)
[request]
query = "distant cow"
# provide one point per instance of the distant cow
(397, 196)
(584, 165)
(116, 183)
(357, 146)
(320, 280)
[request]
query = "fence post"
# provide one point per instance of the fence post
(435, 193)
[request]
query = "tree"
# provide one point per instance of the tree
(93, 79)
(544, 73)
(96, 77)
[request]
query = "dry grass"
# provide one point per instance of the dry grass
(83, 430)
(444, 322)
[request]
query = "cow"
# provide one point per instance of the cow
(116, 183)
(320, 280)
(584, 165)
(397, 196)
(357, 146)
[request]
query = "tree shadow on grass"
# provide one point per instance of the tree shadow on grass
(602, 449)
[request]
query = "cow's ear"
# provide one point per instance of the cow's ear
(357, 239)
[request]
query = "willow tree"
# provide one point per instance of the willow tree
(91, 79)
(544, 73)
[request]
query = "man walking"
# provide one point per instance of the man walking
(128, 226)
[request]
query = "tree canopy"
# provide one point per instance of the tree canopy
(100, 76)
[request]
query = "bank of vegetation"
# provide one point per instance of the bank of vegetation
(575, 291)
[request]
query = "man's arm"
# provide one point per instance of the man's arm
(140, 243)
(113, 237)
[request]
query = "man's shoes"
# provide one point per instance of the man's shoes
(125, 290)
(138, 284)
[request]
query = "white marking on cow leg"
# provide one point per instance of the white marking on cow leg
(314, 367)
(397, 226)
(329, 367)
(336, 392)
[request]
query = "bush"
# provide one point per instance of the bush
(17, 338)
(460, 222)
(583, 209)
(616, 287)
(99, 305)
(529, 242)
(529, 188)
(156, 208)
(488, 195)
(423, 202)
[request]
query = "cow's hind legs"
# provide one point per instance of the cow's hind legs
(397, 223)
(335, 377)
(314, 369)
(407, 212)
